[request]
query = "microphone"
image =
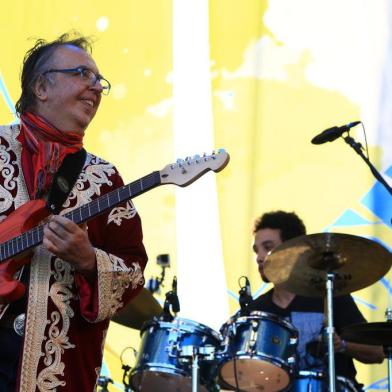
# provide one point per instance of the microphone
(172, 302)
(175, 300)
(331, 134)
(245, 296)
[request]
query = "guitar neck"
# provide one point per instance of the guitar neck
(34, 237)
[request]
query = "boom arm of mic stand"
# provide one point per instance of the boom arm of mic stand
(358, 149)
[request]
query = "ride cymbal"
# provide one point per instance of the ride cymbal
(141, 308)
(379, 334)
(301, 265)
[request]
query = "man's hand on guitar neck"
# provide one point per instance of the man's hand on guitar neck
(70, 242)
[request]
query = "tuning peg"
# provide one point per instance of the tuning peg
(189, 160)
(221, 151)
(197, 158)
(180, 162)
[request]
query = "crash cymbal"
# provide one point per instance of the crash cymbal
(141, 308)
(300, 265)
(379, 334)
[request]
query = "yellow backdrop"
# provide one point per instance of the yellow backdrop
(281, 71)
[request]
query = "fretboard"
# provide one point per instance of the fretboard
(33, 237)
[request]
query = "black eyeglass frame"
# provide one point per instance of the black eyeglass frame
(80, 71)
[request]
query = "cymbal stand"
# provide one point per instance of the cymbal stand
(195, 354)
(388, 351)
(330, 332)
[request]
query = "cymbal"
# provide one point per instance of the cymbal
(379, 334)
(141, 308)
(301, 264)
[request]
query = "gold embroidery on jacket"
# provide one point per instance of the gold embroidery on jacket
(57, 340)
(119, 213)
(113, 278)
(36, 319)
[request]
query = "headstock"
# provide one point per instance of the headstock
(185, 171)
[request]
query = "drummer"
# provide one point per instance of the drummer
(306, 313)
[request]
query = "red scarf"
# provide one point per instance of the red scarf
(44, 148)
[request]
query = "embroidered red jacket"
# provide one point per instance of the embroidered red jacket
(66, 317)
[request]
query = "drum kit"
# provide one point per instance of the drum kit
(256, 351)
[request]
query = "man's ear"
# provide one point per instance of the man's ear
(40, 89)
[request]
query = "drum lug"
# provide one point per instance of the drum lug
(291, 360)
(253, 335)
(172, 349)
(173, 346)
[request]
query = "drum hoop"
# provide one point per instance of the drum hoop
(265, 315)
(181, 324)
(347, 381)
(271, 359)
(158, 367)
(320, 375)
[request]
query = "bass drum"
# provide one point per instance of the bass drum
(308, 381)
(160, 365)
(258, 353)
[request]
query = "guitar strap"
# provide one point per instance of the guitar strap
(65, 179)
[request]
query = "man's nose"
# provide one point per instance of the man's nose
(260, 257)
(97, 86)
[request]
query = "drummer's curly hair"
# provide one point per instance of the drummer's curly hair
(37, 60)
(289, 224)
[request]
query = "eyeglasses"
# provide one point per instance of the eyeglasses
(87, 75)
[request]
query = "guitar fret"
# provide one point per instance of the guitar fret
(34, 236)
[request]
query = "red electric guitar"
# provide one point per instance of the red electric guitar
(23, 229)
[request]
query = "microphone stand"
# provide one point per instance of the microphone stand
(358, 149)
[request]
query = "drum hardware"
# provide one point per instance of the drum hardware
(378, 333)
(194, 354)
(330, 330)
(126, 368)
(327, 264)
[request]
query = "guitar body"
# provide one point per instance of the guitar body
(24, 218)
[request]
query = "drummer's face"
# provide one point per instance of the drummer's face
(265, 241)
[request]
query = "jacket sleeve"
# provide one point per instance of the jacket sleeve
(120, 256)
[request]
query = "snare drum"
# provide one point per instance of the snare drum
(309, 381)
(259, 353)
(160, 363)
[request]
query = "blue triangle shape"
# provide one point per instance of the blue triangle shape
(350, 218)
